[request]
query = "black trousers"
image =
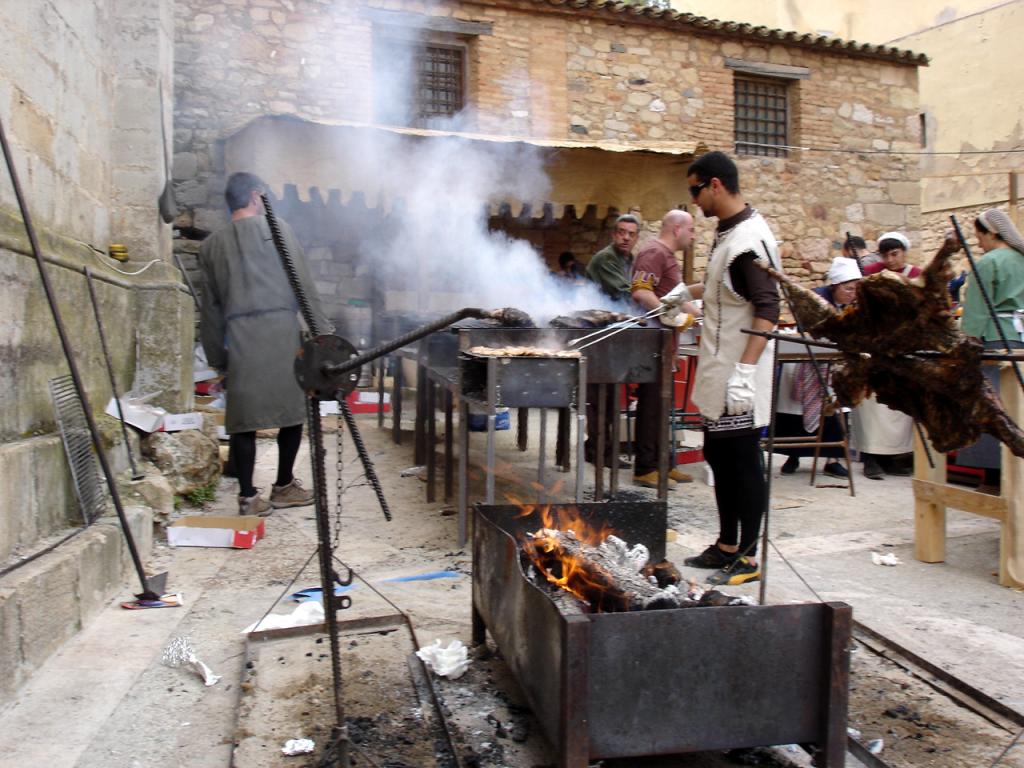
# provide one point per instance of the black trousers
(648, 423)
(741, 489)
(243, 457)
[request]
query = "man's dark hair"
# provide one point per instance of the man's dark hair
(628, 218)
(716, 165)
(890, 244)
(854, 241)
(565, 259)
(240, 187)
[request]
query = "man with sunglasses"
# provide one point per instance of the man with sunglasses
(734, 369)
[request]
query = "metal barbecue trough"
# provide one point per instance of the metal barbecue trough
(660, 682)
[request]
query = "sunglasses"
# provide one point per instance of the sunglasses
(696, 188)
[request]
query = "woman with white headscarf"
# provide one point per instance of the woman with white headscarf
(1001, 271)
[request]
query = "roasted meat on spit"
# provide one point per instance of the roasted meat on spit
(588, 318)
(878, 336)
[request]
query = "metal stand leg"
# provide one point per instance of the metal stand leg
(613, 475)
(522, 428)
(599, 450)
(542, 489)
(492, 416)
(581, 427)
(419, 449)
(431, 439)
(463, 469)
(449, 439)
(396, 403)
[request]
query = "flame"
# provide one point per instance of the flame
(564, 569)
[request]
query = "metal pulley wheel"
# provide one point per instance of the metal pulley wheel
(315, 354)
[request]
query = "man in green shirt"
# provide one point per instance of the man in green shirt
(612, 266)
(612, 270)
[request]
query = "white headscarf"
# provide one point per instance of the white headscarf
(896, 236)
(843, 270)
(998, 222)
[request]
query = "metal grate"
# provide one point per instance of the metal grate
(762, 117)
(441, 81)
(74, 433)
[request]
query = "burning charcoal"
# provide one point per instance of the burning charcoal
(664, 573)
(714, 597)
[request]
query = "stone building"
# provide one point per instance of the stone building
(80, 104)
(970, 139)
(615, 100)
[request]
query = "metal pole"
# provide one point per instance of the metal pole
(136, 475)
(147, 593)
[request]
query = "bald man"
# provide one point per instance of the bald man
(656, 272)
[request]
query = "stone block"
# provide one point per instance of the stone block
(100, 571)
(48, 605)
(188, 459)
(905, 192)
(10, 645)
(886, 214)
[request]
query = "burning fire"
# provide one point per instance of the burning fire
(563, 568)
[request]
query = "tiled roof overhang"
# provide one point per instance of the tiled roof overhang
(731, 29)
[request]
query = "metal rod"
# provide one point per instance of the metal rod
(356, 361)
(612, 330)
(623, 323)
(984, 294)
(581, 426)
(542, 491)
(184, 274)
(364, 457)
(1012, 355)
(136, 475)
(65, 342)
(339, 733)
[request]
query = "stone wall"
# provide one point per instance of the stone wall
(79, 102)
(570, 75)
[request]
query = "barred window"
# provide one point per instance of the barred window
(762, 116)
(441, 81)
(422, 81)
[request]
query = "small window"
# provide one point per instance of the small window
(424, 81)
(762, 117)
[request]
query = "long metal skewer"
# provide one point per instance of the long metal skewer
(620, 328)
(628, 323)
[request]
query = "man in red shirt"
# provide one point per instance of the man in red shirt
(893, 247)
(656, 272)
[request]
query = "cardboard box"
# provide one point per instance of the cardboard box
(238, 532)
(139, 414)
(175, 422)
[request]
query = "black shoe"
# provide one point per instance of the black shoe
(742, 571)
(835, 469)
(791, 465)
(872, 469)
(712, 557)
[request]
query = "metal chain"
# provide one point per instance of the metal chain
(339, 485)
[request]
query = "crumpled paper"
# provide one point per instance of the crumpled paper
(309, 612)
(889, 558)
(180, 653)
(451, 661)
(298, 747)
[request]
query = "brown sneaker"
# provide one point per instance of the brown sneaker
(254, 505)
(291, 495)
(650, 480)
(679, 476)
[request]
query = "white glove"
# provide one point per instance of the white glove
(674, 317)
(739, 390)
(677, 296)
